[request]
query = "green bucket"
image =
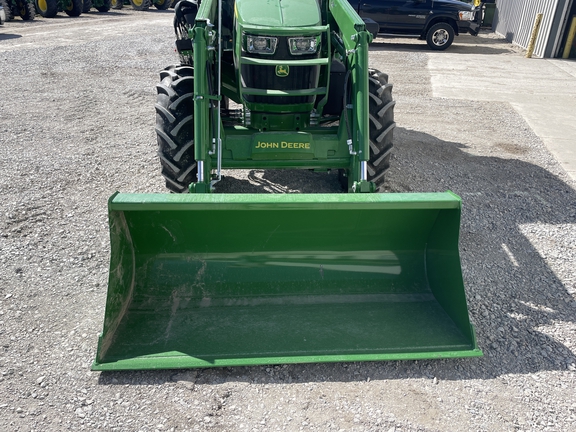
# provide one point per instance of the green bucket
(205, 280)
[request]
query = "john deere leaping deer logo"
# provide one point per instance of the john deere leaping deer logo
(282, 70)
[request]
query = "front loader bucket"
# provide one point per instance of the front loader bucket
(202, 280)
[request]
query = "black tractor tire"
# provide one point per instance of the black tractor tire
(75, 8)
(381, 109)
(27, 10)
(47, 8)
(7, 10)
(162, 4)
(440, 36)
(116, 4)
(175, 127)
(87, 6)
(140, 5)
(381, 117)
(105, 7)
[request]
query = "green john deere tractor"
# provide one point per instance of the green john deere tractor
(49, 8)
(202, 279)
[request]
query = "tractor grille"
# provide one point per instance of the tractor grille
(264, 77)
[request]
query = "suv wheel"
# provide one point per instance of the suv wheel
(440, 36)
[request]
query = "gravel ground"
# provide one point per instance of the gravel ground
(77, 124)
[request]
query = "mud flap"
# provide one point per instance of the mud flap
(232, 280)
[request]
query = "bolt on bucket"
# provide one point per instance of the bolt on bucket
(235, 280)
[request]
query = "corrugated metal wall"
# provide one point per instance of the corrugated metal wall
(514, 20)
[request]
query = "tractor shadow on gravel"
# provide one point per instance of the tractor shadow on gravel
(7, 36)
(281, 181)
(515, 299)
(514, 216)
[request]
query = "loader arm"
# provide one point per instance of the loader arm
(356, 39)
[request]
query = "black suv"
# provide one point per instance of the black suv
(436, 21)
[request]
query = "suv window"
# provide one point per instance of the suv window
(436, 21)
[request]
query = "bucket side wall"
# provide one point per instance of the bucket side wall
(444, 269)
(121, 279)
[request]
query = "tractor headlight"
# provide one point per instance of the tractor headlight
(304, 45)
(261, 44)
(466, 15)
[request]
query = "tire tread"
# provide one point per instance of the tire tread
(381, 112)
(175, 127)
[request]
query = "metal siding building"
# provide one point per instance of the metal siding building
(514, 20)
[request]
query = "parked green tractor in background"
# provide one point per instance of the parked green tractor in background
(99, 5)
(142, 5)
(202, 279)
(22, 8)
(49, 8)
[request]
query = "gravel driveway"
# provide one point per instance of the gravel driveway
(77, 123)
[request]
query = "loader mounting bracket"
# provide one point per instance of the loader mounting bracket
(363, 187)
(199, 188)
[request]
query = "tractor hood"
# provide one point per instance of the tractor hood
(278, 13)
